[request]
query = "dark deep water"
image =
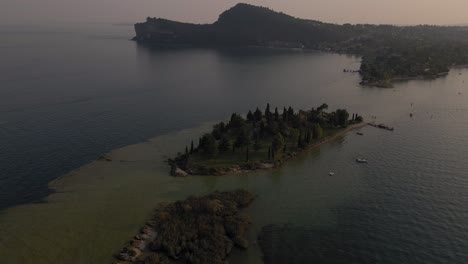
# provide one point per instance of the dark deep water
(71, 94)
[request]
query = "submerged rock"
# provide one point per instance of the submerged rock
(180, 173)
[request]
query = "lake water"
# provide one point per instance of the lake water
(70, 94)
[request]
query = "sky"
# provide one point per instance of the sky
(440, 12)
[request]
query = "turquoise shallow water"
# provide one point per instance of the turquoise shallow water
(95, 92)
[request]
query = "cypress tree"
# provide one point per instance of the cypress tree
(285, 114)
(191, 147)
(276, 114)
(258, 115)
(268, 114)
(186, 150)
(269, 153)
(267, 110)
(247, 154)
(299, 141)
(290, 112)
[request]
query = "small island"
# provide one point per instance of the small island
(261, 140)
(196, 230)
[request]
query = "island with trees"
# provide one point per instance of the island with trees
(388, 52)
(261, 140)
(201, 229)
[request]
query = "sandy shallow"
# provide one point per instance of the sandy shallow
(97, 208)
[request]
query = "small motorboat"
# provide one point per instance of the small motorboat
(411, 114)
(331, 173)
(361, 160)
(360, 133)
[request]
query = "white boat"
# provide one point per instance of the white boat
(361, 160)
(331, 173)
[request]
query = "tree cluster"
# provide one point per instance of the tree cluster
(269, 132)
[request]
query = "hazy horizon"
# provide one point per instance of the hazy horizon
(451, 12)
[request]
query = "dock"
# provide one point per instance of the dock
(381, 126)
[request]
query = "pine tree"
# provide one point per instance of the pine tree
(250, 116)
(224, 144)
(209, 146)
(258, 115)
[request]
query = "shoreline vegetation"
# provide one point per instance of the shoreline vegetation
(201, 229)
(261, 141)
(389, 53)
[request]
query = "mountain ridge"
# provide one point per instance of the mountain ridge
(388, 52)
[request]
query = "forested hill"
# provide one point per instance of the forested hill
(388, 51)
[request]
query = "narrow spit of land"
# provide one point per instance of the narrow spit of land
(262, 140)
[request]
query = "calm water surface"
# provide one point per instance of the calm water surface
(71, 94)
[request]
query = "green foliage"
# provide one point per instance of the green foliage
(257, 146)
(209, 145)
(342, 117)
(243, 139)
(254, 141)
(317, 131)
(258, 115)
(278, 142)
(218, 130)
(236, 121)
(322, 107)
(225, 144)
(285, 115)
(250, 116)
(201, 229)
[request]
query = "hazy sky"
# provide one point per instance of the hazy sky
(207, 11)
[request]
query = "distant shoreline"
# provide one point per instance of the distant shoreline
(389, 83)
